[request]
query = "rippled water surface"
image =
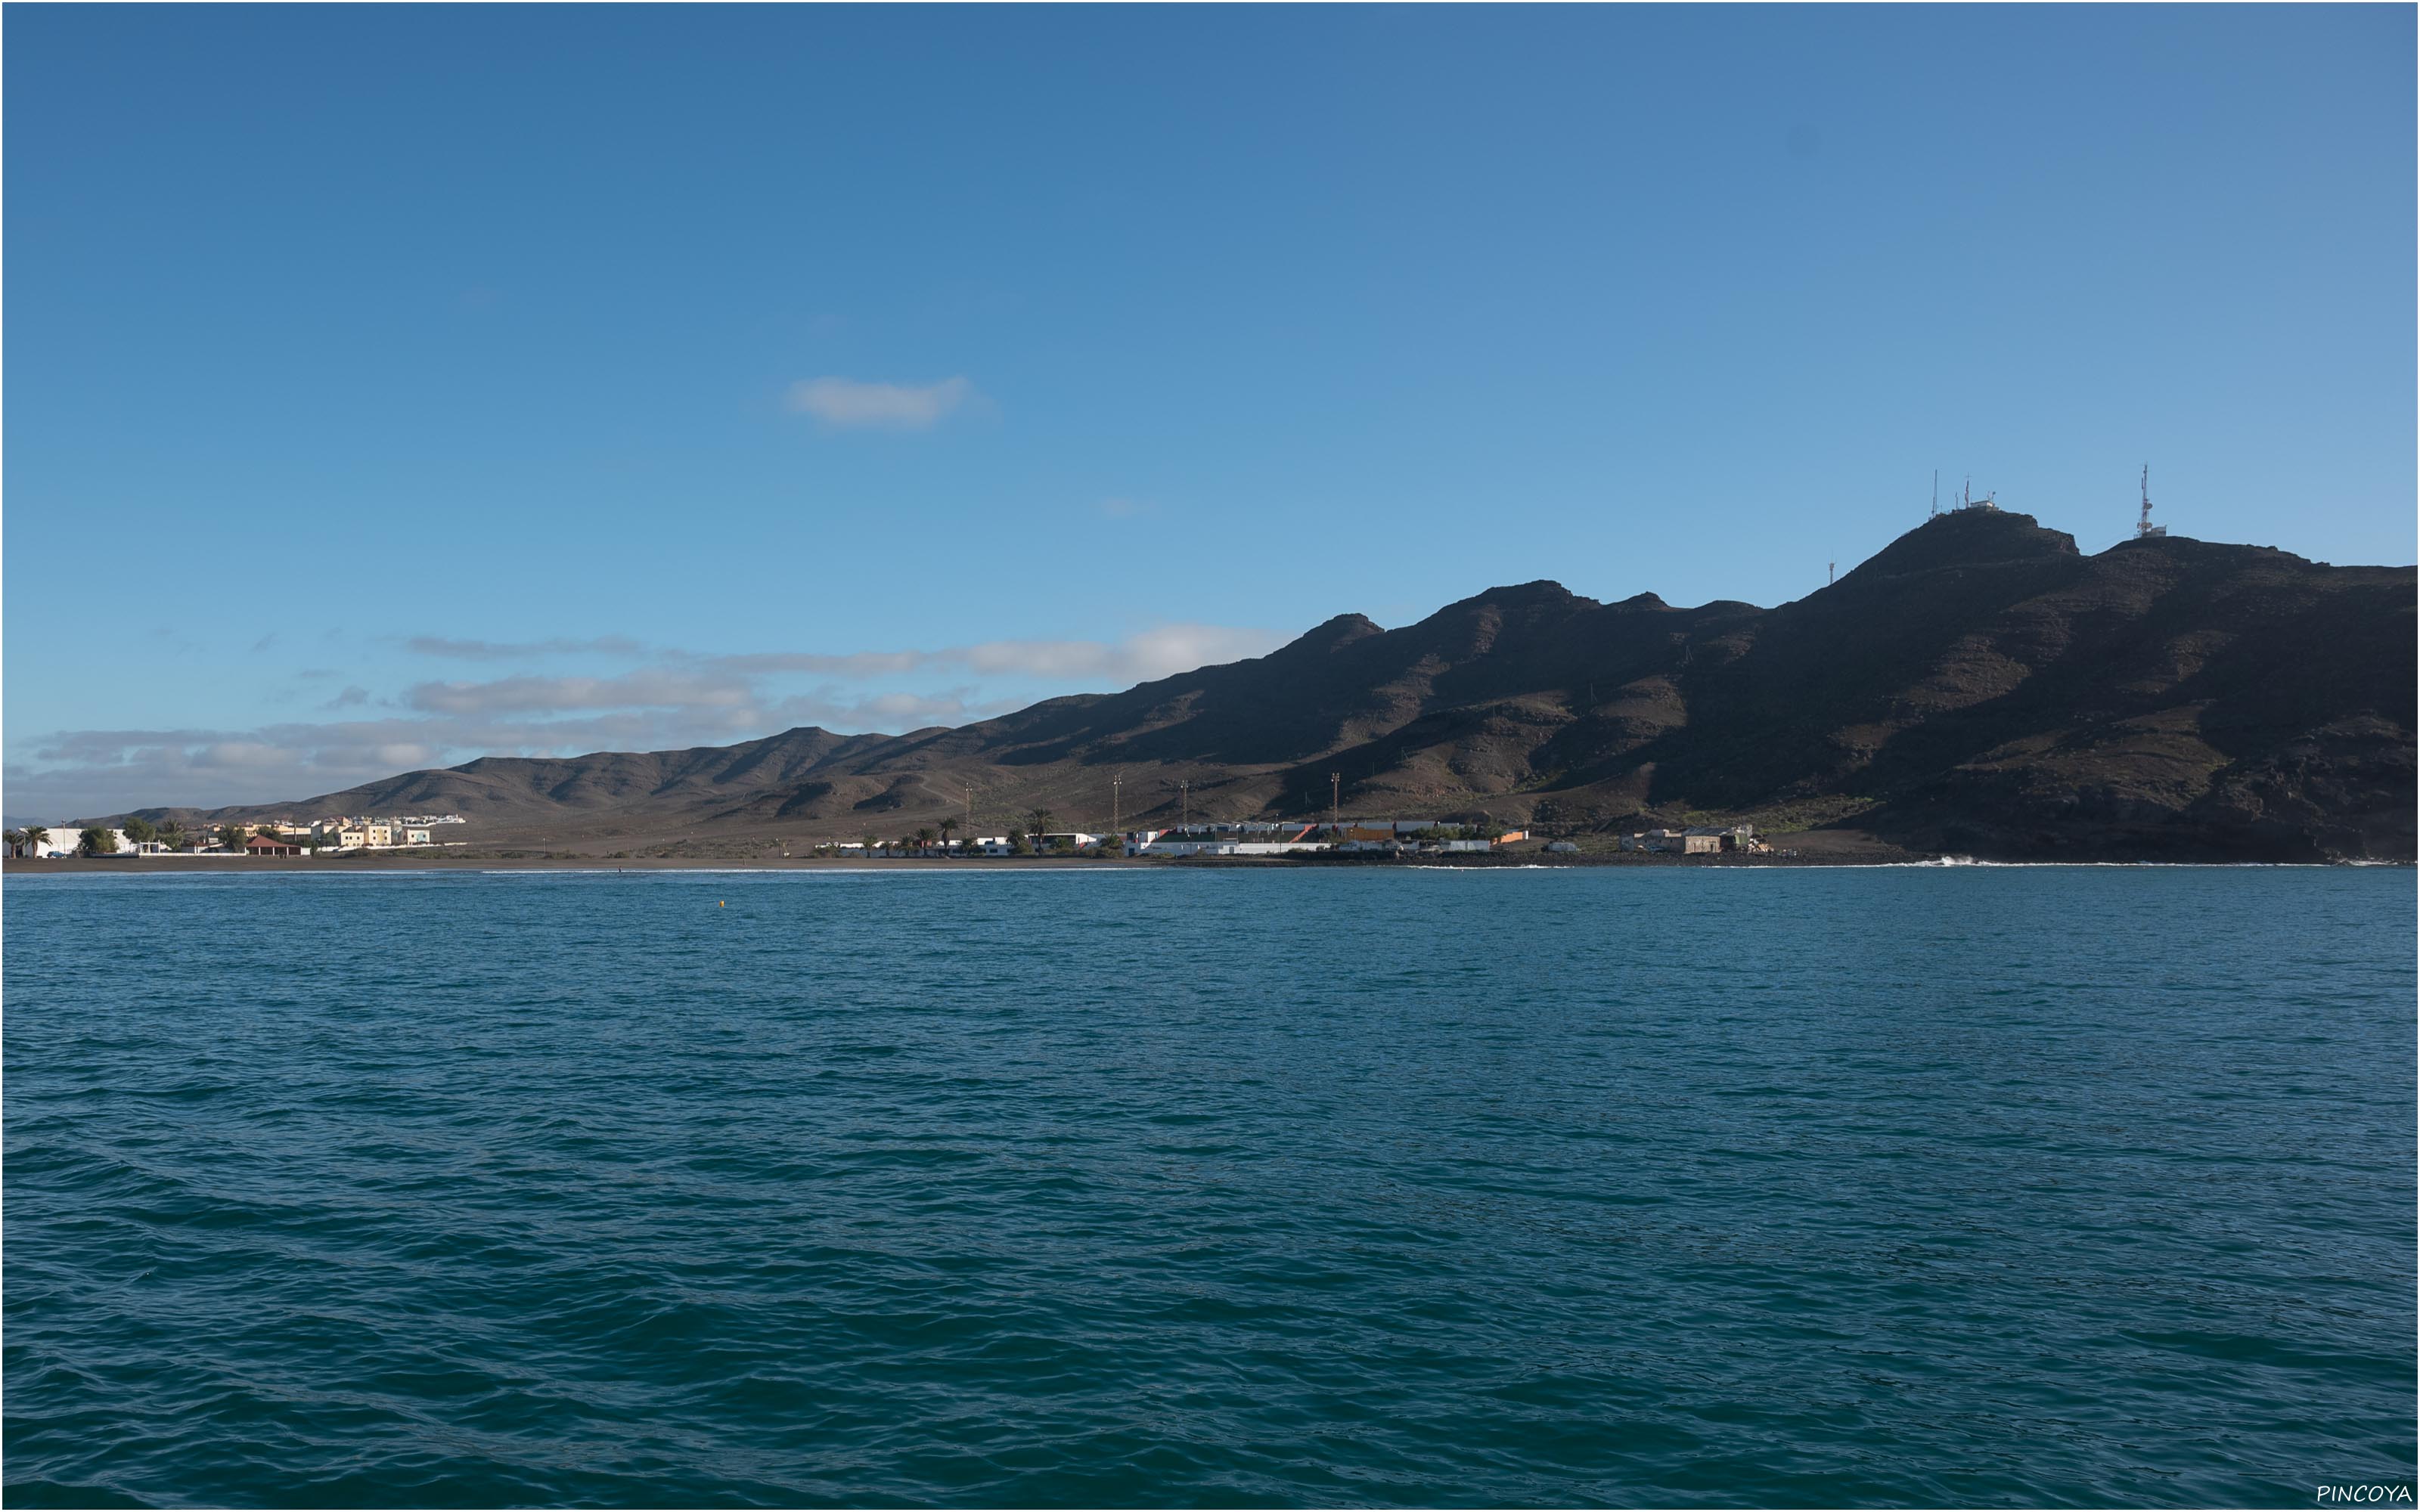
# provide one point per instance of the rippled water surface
(1129, 1187)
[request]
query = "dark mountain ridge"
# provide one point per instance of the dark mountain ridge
(1979, 686)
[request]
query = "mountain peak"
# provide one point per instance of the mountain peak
(1541, 591)
(1525, 601)
(1967, 539)
(1333, 634)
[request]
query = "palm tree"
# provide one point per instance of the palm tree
(949, 821)
(36, 838)
(925, 838)
(1042, 818)
(14, 838)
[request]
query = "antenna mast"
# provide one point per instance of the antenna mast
(2144, 529)
(1936, 495)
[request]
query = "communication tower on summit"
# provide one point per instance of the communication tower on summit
(1967, 498)
(1936, 495)
(2144, 529)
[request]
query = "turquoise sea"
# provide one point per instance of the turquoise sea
(1726, 1187)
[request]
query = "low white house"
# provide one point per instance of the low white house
(1190, 846)
(68, 840)
(1182, 843)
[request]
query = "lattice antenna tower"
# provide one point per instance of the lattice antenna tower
(2144, 529)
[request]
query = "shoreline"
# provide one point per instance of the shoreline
(215, 865)
(88, 865)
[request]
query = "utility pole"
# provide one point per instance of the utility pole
(1115, 779)
(1335, 783)
(1184, 805)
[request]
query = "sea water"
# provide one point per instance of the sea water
(1730, 1186)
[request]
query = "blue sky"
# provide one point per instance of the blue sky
(390, 386)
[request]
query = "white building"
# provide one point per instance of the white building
(1184, 846)
(1173, 842)
(68, 840)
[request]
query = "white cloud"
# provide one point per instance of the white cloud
(443, 646)
(81, 773)
(847, 404)
(1146, 657)
(242, 754)
(1162, 651)
(692, 681)
(647, 689)
(857, 665)
(84, 772)
(896, 712)
(676, 700)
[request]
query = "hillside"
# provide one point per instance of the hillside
(1978, 687)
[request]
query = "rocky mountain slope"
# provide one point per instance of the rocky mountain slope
(1978, 687)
